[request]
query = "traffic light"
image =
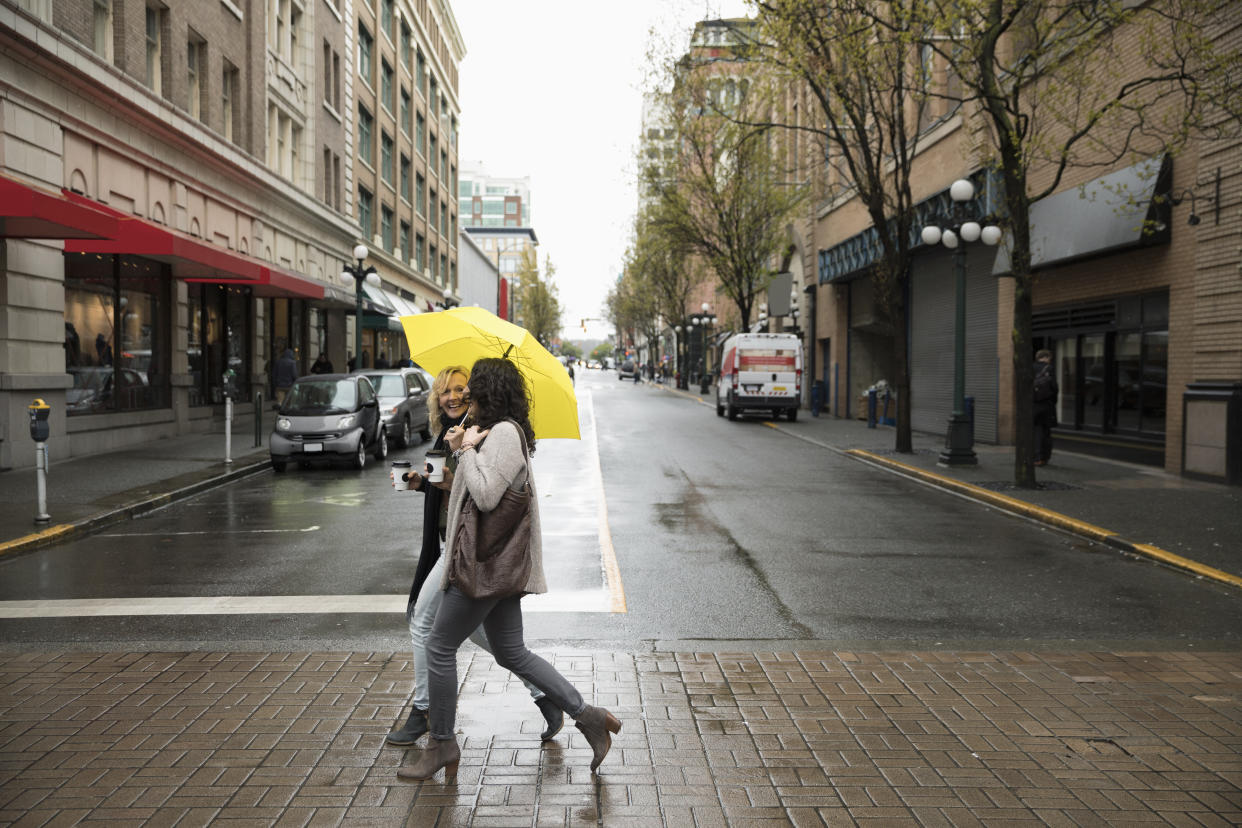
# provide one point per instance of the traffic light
(584, 326)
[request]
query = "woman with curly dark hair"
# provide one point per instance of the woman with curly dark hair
(500, 411)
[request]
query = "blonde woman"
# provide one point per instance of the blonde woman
(446, 407)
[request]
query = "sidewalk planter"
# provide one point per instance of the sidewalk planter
(1212, 432)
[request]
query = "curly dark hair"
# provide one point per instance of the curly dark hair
(499, 390)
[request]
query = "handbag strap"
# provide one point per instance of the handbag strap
(525, 451)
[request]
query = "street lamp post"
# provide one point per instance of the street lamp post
(702, 321)
(962, 227)
(359, 274)
(447, 301)
(678, 378)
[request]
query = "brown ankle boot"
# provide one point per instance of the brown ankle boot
(441, 753)
(597, 725)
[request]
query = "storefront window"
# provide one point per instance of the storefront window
(217, 340)
(116, 334)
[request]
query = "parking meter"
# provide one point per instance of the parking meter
(229, 381)
(40, 412)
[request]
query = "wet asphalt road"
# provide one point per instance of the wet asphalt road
(723, 531)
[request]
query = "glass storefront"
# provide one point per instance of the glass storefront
(116, 334)
(217, 333)
(1112, 364)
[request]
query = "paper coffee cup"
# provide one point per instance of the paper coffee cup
(400, 468)
(436, 459)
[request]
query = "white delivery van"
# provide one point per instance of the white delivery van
(760, 372)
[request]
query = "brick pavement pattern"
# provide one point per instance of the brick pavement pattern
(737, 739)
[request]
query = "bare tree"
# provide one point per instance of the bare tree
(538, 308)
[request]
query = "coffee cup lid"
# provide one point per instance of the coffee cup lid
(401, 462)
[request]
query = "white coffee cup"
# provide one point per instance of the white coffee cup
(436, 459)
(400, 468)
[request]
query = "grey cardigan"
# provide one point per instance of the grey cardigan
(486, 472)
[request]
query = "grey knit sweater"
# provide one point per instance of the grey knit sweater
(486, 472)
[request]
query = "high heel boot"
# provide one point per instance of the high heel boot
(441, 753)
(414, 727)
(552, 715)
(597, 725)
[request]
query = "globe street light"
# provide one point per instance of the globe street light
(359, 274)
(447, 301)
(961, 228)
(702, 321)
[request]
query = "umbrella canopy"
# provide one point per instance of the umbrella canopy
(460, 336)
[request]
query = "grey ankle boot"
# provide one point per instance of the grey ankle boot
(598, 725)
(440, 753)
(552, 715)
(414, 727)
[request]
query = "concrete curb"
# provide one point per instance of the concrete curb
(67, 531)
(1050, 518)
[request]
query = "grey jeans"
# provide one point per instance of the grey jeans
(502, 621)
(421, 616)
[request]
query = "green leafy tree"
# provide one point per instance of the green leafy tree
(601, 351)
(538, 308)
(571, 350)
(730, 201)
(872, 93)
(1061, 85)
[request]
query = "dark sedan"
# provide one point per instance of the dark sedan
(402, 396)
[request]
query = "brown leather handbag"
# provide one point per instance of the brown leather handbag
(491, 550)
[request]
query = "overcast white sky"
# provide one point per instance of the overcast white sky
(552, 89)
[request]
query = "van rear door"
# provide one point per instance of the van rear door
(764, 371)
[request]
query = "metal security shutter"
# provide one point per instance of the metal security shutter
(931, 341)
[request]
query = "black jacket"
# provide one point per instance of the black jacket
(429, 553)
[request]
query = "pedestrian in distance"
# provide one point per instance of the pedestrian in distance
(1046, 391)
(492, 457)
(322, 365)
(381, 362)
(446, 407)
(284, 372)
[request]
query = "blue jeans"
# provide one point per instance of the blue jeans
(502, 619)
(421, 615)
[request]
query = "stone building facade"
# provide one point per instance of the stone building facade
(182, 187)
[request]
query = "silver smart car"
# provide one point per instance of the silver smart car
(326, 418)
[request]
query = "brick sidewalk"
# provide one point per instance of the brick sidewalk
(806, 738)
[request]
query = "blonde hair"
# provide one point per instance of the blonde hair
(438, 387)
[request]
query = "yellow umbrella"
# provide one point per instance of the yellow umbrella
(459, 336)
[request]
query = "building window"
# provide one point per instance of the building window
(387, 87)
(117, 337)
(229, 101)
(365, 149)
(405, 111)
(217, 337)
(155, 49)
(433, 94)
(196, 61)
(420, 73)
(431, 261)
(407, 47)
(365, 200)
(405, 178)
(420, 189)
(336, 180)
(420, 260)
(420, 133)
(386, 156)
(435, 209)
(443, 275)
(103, 29)
(386, 227)
(386, 17)
(444, 219)
(443, 166)
(327, 176)
(366, 45)
(431, 153)
(284, 141)
(404, 240)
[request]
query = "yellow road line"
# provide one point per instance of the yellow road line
(49, 534)
(1078, 527)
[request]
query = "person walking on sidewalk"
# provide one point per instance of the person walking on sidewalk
(500, 411)
(1046, 391)
(446, 407)
(284, 372)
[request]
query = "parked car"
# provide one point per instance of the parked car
(328, 418)
(402, 396)
(760, 371)
(628, 370)
(92, 389)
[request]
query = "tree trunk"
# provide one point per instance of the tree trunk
(1023, 356)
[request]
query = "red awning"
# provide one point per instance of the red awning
(194, 260)
(29, 213)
